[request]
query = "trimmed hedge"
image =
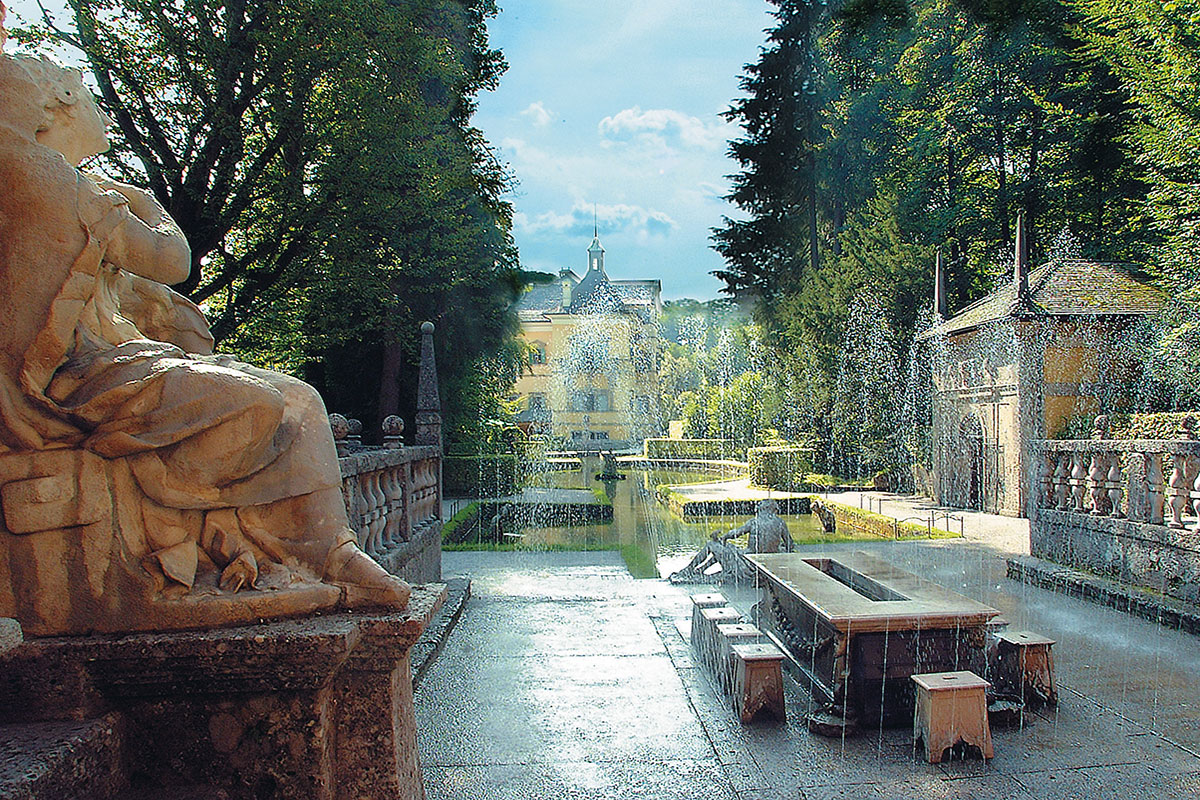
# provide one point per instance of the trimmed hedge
(459, 527)
(675, 449)
(480, 476)
(781, 467)
(1164, 425)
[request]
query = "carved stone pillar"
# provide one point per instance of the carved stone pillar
(429, 405)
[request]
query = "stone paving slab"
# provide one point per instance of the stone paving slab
(566, 678)
(663, 780)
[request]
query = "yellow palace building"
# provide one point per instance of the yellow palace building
(596, 345)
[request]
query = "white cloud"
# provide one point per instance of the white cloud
(538, 114)
(657, 125)
(612, 219)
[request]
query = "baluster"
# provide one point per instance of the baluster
(1179, 489)
(1137, 493)
(358, 515)
(1097, 474)
(1078, 481)
(1195, 474)
(1115, 489)
(1062, 482)
(378, 510)
(1154, 488)
(1046, 480)
(395, 502)
(406, 477)
(367, 509)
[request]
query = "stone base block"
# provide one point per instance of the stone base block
(316, 708)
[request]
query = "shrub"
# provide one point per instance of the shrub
(480, 476)
(781, 467)
(678, 449)
(1163, 425)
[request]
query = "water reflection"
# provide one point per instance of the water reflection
(641, 522)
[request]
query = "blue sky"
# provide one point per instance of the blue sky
(616, 104)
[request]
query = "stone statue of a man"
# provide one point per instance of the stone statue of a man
(223, 478)
(766, 532)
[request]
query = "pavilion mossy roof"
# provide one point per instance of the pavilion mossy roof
(1063, 289)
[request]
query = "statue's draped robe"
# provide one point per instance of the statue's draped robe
(199, 432)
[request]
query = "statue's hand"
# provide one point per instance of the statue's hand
(241, 573)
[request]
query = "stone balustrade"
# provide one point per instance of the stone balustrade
(1121, 508)
(1153, 481)
(393, 497)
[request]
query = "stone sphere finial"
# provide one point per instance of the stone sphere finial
(1100, 427)
(354, 427)
(339, 425)
(393, 425)
(426, 327)
(1187, 428)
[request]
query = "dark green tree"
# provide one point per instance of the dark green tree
(318, 155)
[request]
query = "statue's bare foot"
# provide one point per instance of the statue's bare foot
(363, 582)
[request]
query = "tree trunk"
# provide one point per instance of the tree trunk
(390, 369)
(813, 243)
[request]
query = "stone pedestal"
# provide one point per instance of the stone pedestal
(310, 708)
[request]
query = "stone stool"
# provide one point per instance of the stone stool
(951, 707)
(1027, 664)
(704, 632)
(699, 603)
(758, 681)
(729, 634)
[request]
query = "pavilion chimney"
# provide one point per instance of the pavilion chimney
(1021, 261)
(566, 294)
(940, 306)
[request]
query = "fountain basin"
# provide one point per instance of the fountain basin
(857, 627)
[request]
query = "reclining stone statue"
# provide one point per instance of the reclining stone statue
(766, 532)
(145, 483)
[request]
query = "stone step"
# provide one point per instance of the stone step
(425, 651)
(62, 760)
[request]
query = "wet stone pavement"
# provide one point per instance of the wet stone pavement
(566, 678)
